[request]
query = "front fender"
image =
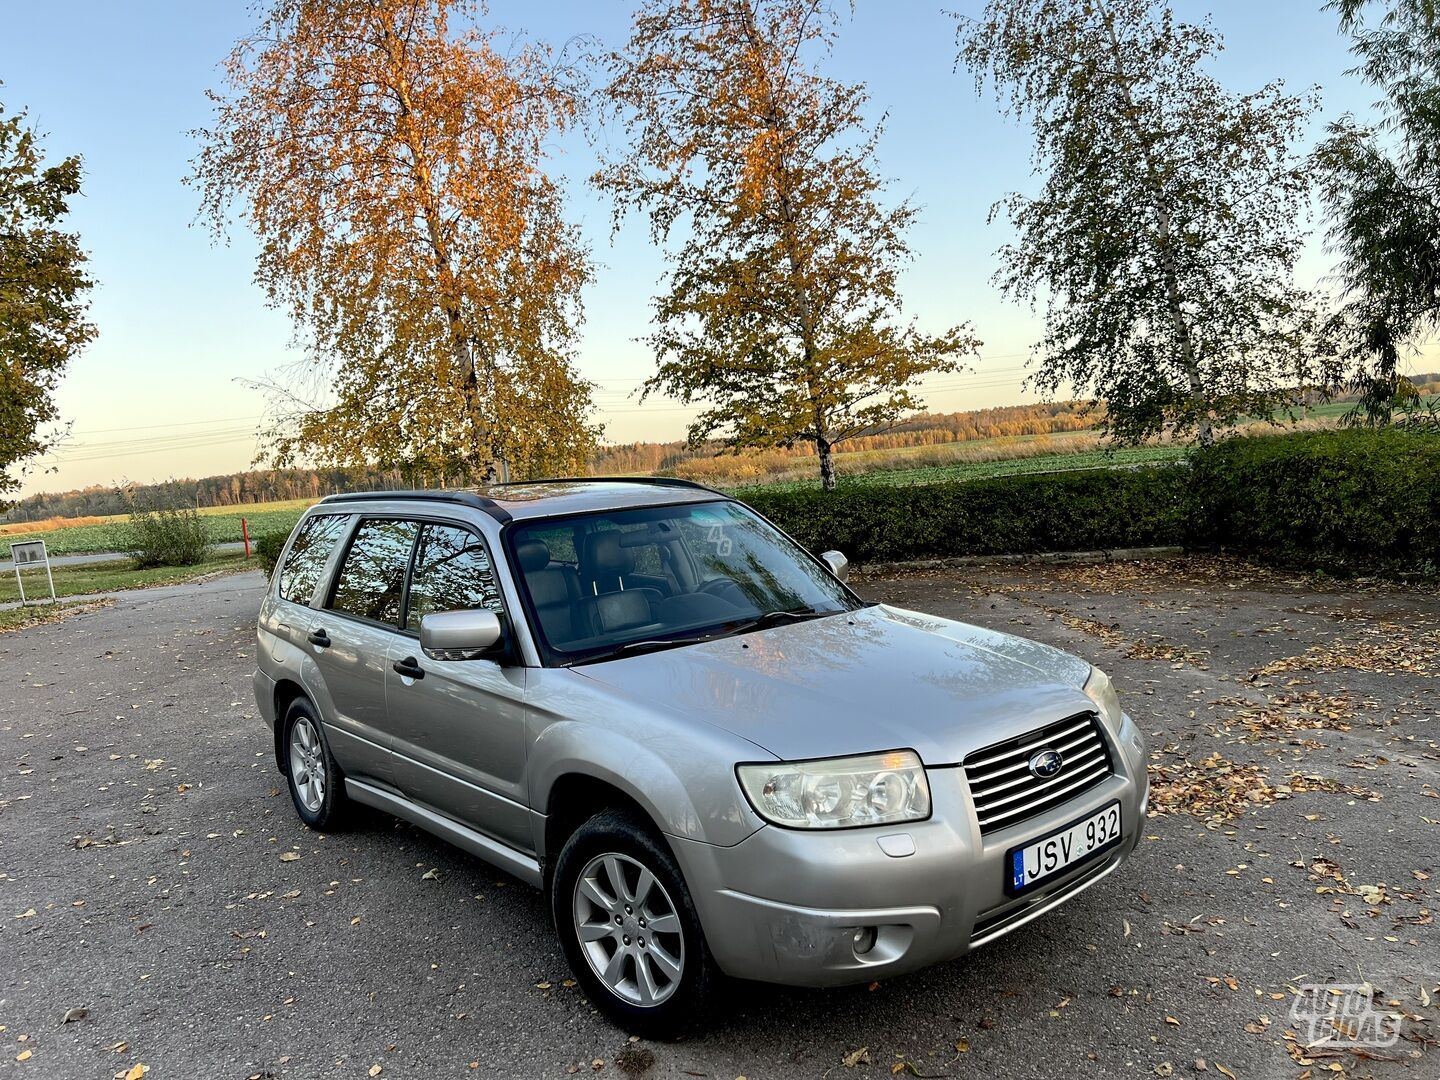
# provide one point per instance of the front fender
(682, 774)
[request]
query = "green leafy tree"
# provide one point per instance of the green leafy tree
(1163, 239)
(1380, 184)
(43, 292)
(390, 157)
(782, 312)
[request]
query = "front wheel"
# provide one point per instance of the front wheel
(628, 927)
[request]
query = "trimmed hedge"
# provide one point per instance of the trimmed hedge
(1357, 500)
(1070, 511)
(267, 549)
(1352, 500)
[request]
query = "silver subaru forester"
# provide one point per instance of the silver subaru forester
(647, 700)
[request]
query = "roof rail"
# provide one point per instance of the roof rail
(656, 481)
(465, 498)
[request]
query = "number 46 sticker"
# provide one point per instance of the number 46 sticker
(723, 544)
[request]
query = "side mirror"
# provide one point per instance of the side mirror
(838, 564)
(459, 635)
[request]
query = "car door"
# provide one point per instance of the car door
(458, 726)
(351, 634)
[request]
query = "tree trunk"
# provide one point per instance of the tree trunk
(482, 442)
(825, 449)
(804, 308)
(1204, 430)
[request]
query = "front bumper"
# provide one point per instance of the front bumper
(784, 905)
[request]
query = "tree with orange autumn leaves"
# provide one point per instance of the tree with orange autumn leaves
(782, 309)
(389, 157)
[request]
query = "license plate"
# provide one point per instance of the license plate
(1032, 863)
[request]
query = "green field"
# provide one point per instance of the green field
(112, 535)
(114, 576)
(980, 470)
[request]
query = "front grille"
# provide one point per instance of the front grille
(1006, 792)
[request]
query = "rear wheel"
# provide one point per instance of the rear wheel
(628, 926)
(316, 786)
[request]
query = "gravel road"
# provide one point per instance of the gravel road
(143, 824)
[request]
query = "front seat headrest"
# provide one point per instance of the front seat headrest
(604, 557)
(532, 555)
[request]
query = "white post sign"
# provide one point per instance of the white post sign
(31, 553)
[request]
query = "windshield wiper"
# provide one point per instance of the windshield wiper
(775, 618)
(647, 645)
(760, 622)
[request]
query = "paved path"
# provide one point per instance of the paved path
(8, 567)
(142, 823)
(222, 581)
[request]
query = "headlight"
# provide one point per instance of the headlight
(1100, 690)
(840, 793)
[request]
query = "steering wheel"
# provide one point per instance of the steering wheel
(725, 589)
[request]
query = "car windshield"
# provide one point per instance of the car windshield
(624, 581)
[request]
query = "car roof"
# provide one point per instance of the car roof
(549, 498)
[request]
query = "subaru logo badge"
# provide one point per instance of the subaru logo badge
(1046, 763)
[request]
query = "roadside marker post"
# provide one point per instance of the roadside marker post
(28, 553)
(245, 532)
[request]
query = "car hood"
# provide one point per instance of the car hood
(878, 678)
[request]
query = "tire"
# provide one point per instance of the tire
(319, 793)
(658, 933)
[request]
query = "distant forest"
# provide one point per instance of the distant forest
(621, 459)
(641, 458)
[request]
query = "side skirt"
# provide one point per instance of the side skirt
(522, 866)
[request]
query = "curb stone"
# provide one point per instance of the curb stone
(1051, 557)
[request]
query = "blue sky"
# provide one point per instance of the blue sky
(162, 390)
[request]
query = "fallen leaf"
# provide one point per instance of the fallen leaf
(1226, 1071)
(137, 1071)
(855, 1057)
(289, 856)
(1172, 1020)
(24, 1055)
(375, 1070)
(71, 1015)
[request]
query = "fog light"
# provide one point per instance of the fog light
(864, 940)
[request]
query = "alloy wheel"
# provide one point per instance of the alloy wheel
(629, 929)
(307, 764)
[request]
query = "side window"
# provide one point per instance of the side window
(308, 554)
(452, 573)
(371, 581)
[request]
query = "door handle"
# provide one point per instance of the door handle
(409, 667)
(318, 637)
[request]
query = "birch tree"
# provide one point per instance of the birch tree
(389, 157)
(781, 311)
(1380, 183)
(44, 290)
(1163, 239)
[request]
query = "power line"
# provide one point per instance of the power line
(178, 423)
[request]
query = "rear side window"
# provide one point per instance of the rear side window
(371, 581)
(452, 573)
(308, 555)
